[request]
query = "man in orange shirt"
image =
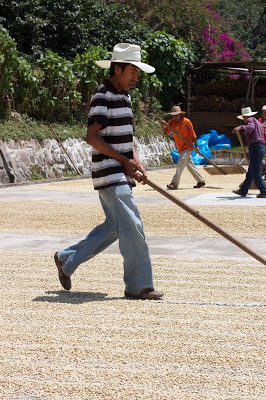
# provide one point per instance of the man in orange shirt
(185, 128)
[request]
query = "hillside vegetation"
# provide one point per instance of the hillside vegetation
(48, 51)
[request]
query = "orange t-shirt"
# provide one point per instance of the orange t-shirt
(185, 128)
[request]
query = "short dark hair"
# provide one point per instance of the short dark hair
(113, 65)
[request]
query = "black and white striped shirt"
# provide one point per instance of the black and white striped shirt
(112, 110)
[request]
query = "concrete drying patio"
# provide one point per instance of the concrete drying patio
(204, 340)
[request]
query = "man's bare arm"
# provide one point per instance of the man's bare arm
(95, 140)
(196, 144)
(237, 129)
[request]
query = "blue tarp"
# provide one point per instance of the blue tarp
(218, 141)
(205, 141)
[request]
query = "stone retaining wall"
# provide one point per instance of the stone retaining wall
(35, 159)
(39, 159)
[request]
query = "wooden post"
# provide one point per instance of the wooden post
(249, 84)
(242, 145)
(254, 81)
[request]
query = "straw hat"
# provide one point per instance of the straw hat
(246, 112)
(176, 110)
(126, 53)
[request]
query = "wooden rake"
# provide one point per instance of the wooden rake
(190, 145)
(202, 218)
(227, 169)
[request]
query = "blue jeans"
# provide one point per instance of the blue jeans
(122, 222)
(256, 153)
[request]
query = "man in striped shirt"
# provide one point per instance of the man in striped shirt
(115, 167)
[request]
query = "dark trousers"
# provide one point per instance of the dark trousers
(256, 153)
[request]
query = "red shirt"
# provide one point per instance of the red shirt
(263, 125)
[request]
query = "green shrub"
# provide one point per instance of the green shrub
(8, 65)
(167, 55)
(58, 96)
(88, 74)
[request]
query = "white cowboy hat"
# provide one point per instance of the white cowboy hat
(126, 53)
(176, 110)
(246, 112)
(263, 108)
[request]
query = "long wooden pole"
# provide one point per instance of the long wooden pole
(59, 141)
(190, 145)
(242, 145)
(203, 219)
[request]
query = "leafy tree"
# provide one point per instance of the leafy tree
(18, 78)
(25, 21)
(69, 27)
(182, 19)
(221, 47)
(8, 64)
(246, 19)
(109, 24)
(168, 54)
(65, 31)
(208, 25)
(26, 86)
(38, 24)
(58, 98)
(88, 73)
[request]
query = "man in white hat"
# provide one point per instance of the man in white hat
(114, 169)
(255, 140)
(185, 128)
(262, 120)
